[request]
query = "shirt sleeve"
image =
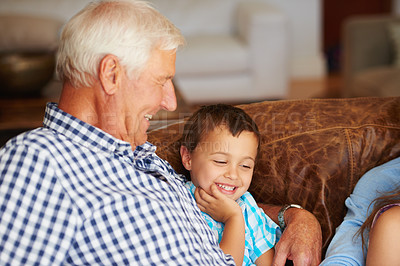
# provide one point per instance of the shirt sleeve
(260, 229)
(36, 223)
(346, 246)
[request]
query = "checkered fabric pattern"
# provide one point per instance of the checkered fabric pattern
(260, 230)
(73, 194)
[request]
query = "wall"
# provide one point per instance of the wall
(306, 58)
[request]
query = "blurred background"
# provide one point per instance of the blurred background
(238, 51)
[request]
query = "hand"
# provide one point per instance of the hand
(217, 205)
(225, 210)
(301, 241)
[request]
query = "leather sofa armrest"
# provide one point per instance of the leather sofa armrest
(264, 28)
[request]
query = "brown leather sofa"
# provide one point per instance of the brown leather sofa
(312, 151)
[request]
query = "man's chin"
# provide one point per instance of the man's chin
(140, 140)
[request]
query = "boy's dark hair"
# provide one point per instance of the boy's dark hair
(207, 118)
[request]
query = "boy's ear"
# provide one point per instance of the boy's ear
(186, 158)
(110, 73)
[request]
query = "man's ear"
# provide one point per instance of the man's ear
(186, 158)
(110, 73)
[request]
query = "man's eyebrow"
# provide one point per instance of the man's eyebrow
(163, 79)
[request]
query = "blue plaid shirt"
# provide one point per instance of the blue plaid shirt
(260, 230)
(72, 194)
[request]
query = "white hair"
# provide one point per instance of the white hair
(128, 29)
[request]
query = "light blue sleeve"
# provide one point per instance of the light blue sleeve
(346, 248)
(260, 230)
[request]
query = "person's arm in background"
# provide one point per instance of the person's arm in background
(384, 248)
(346, 246)
(301, 240)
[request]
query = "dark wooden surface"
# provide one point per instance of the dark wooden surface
(21, 113)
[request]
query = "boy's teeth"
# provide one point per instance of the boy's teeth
(226, 187)
(148, 117)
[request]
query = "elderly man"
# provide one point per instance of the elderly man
(87, 188)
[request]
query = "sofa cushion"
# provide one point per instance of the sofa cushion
(312, 151)
(381, 81)
(212, 55)
(194, 17)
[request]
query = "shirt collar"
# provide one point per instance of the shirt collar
(189, 185)
(88, 135)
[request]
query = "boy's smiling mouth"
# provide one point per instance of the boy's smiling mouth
(226, 188)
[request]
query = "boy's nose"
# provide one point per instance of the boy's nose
(231, 173)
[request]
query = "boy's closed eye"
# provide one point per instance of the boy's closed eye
(220, 162)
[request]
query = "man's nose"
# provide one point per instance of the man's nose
(169, 98)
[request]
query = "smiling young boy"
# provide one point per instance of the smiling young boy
(219, 148)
